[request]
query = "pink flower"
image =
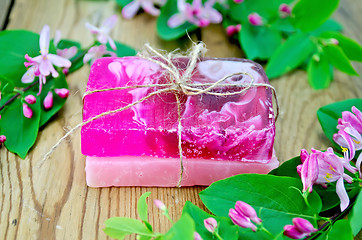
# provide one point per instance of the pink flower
(238, 1)
(301, 228)
(242, 214)
(130, 10)
(62, 92)
(195, 13)
(48, 101)
(284, 10)
(210, 224)
(67, 53)
(42, 65)
(308, 171)
(104, 31)
(160, 205)
(28, 113)
(31, 99)
(255, 19)
(329, 168)
(97, 52)
(232, 29)
(197, 236)
(2, 138)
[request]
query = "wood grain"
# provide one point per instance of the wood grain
(53, 201)
(4, 10)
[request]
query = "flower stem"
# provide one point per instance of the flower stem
(262, 228)
(216, 234)
(17, 95)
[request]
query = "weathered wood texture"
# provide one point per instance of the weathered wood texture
(53, 201)
(4, 9)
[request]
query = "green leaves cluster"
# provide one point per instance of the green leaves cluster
(21, 132)
(306, 39)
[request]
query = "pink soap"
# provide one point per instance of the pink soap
(221, 135)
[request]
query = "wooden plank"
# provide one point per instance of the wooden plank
(4, 9)
(52, 201)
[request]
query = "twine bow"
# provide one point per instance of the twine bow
(179, 83)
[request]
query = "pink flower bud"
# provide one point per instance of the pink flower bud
(334, 41)
(255, 19)
(2, 138)
(48, 101)
(31, 99)
(210, 224)
(160, 205)
(291, 232)
(197, 236)
(285, 10)
(241, 220)
(232, 29)
(303, 225)
(247, 210)
(66, 71)
(62, 92)
(28, 113)
(238, 1)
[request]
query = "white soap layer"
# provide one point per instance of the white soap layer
(165, 172)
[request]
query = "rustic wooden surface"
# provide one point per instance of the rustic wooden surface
(53, 201)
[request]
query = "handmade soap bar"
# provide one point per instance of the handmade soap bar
(221, 136)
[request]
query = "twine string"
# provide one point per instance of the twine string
(179, 83)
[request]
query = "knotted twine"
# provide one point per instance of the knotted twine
(178, 83)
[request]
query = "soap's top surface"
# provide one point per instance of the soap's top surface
(237, 127)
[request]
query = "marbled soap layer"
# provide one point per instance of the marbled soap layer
(237, 128)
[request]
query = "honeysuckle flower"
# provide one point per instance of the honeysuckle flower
(330, 168)
(210, 224)
(255, 19)
(130, 10)
(160, 205)
(284, 10)
(232, 29)
(97, 52)
(195, 13)
(104, 31)
(238, 1)
(62, 92)
(67, 53)
(301, 228)
(197, 236)
(308, 171)
(31, 99)
(351, 123)
(57, 37)
(28, 113)
(2, 138)
(242, 214)
(48, 101)
(358, 164)
(42, 65)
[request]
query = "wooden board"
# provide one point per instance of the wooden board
(53, 201)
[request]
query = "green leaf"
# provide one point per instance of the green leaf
(67, 43)
(329, 196)
(164, 31)
(310, 14)
(123, 3)
(329, 25)
(183, 229)
(341, 230)
(328, 115)
(355, 216)
(226, 229)
(6, 85)
(142, 209)
(274, 198)
(291, 54)
(20, 132)
(335, 55)
(119, 227)
(319, 74)
(58, 102)
(288, 168)
(14, 44)
(122, 50)
(351, 48)
(259, 41)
